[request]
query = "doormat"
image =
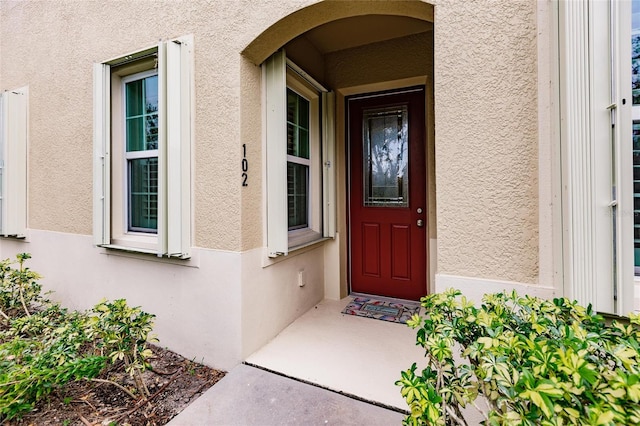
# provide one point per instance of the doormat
(381, 309)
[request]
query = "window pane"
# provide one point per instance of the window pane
(135, 135)
(303, 112)
(297, 125)
(297, 195)
(134, 98)
(142, 114)
(151, 94)
(143, 195)
(385, 157)
(292, 139)
(151, 132)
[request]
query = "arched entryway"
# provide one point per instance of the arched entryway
(354, 49)
(354, 54)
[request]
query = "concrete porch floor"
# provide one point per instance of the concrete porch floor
(361, 357)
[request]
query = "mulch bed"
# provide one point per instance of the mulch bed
(174, 382)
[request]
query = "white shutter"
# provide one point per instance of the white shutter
(329, 166)
(101, 154)
(274, 72)
(179, 101)
(13, 120)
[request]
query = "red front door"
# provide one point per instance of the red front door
(387, 194)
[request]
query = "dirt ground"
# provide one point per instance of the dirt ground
(174, 382)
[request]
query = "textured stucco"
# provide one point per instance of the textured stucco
(380, 61)
(293, 24)
(62, 40)
(486, 138)
(481, 59)
(65, 38)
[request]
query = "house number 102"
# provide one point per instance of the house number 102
(245, 165)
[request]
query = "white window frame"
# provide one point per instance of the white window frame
(174, 59)
(278, 74)
(132, 155)
(313, 229)
(13, 162)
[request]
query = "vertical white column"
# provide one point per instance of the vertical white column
(576, 141)
(586, 102)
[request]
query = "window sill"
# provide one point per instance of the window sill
(20, 237)
(137, 242)
(130, 249)
(302, 237)
(307, 244)
(295, 251)
(149, 255)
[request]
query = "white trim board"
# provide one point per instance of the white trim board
(475, 288)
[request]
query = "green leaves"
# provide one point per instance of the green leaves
(19, 289)
(122, 332)
(533, 361)
(38, 354)
(43, 346)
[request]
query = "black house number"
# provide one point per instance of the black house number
(245, 165)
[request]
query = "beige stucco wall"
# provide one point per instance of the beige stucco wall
(64, 39)
(486, 139)
(211, 306)
(485, 104)
(483, 73)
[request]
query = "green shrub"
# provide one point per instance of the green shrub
(40, 352)
(122, 332)
(19, 289)
(533, 361)
(44, 346)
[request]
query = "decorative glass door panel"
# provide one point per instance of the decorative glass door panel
(385, 157)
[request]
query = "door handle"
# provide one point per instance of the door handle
(420, 223)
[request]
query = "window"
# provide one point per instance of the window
(636, 195)
(13, 162)
(298, 162)
(635, 81)
(300, 150)
(143, 135)
(141, 141)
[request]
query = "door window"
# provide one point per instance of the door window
(385, 157)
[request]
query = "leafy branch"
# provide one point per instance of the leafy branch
(532, 361)
(43, 346)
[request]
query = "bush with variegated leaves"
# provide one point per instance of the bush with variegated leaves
(44, 346)
(532, 361)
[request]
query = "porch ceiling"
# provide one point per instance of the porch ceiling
(360, 30)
